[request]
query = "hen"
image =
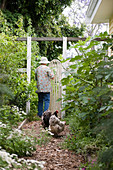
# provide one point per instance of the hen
(55, 125)
(45, 119)
(46, 116)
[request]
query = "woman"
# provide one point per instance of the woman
(43, 75)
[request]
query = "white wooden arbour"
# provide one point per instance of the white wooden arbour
(29, 39)
(64, 39)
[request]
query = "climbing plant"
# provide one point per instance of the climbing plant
(40, 12)
(46, 20)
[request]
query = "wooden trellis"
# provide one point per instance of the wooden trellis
(56, 91)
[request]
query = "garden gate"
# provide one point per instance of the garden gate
(56, 91)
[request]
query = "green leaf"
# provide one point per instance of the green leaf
(76, 58)
(80, 70)
(74, 66)
(99, 77)
(71, 89)
(83, 114)
(65, 81)
(106, 77)
(102, 108)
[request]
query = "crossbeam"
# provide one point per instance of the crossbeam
(56, 39)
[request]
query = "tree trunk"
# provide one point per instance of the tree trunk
(3, 5)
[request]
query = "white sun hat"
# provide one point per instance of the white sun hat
(44, 60)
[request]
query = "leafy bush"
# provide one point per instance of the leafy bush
(12, 115)
(14, 86)
(11, 139)
(16, 142)
(11, 161)
(88, 96)
(106, 154)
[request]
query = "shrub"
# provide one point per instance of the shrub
(11, 161)
(88, 90)
(16, 142)
(12, 115)
(13, 56)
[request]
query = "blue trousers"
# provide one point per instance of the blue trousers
(43, 100)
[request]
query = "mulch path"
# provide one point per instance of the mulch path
(54, 156)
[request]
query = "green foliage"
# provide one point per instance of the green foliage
(4, 92)
(11, 115)
(82, 142)
(11, 161)
(16, 142)
(21, 145)
(59, 28)
(88, 96)
(89, 85)
(15, 88)
(3, 164)
(106, 158)
(13, 56)
(40, 12)
(45, 19)
(10, 54)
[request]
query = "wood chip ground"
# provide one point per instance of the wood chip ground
(51, 153)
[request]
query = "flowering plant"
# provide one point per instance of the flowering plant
(16, 142)
(11, 161)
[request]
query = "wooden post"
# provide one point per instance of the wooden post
(28, 70)
(64, 57)
(64, 47)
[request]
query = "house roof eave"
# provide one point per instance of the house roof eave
(92, 9)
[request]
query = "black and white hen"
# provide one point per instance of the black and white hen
(52, 122)
(46, 116)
